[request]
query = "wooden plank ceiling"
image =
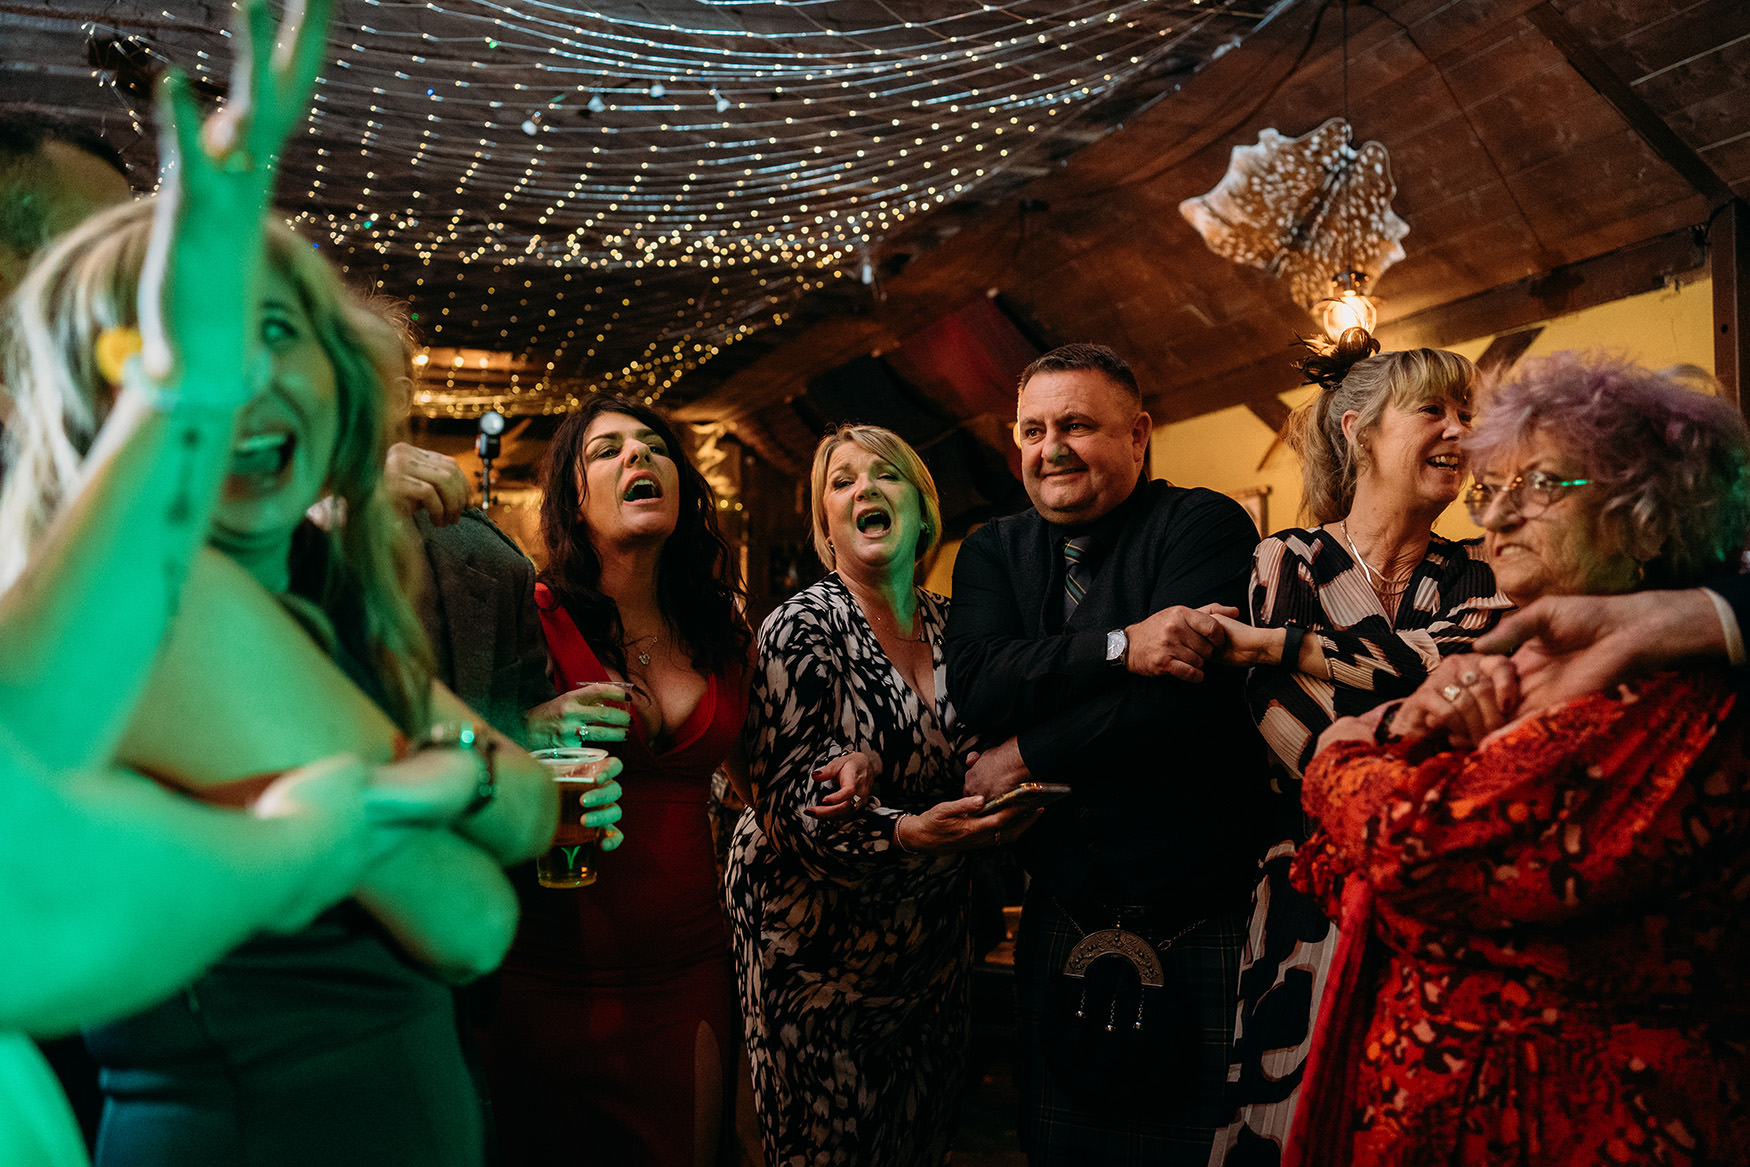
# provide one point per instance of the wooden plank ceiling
(1548, 153)
(1510, 166)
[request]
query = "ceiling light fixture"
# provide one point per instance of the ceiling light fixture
(1316, 209)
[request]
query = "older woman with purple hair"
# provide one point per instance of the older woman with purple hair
(1541, 961)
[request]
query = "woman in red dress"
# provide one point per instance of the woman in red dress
(615, 1033)
(1542, 959)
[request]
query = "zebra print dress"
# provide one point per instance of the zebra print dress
(1310, 579)
(852, 955)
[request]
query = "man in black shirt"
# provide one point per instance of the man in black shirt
(1076, 635)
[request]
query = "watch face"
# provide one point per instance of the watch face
(1116, 643)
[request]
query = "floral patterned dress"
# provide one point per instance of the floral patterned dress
(1544, 959)
(852, 955)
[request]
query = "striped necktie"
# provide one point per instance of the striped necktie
(1078, 571)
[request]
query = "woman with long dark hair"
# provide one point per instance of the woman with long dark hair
(617, 1022)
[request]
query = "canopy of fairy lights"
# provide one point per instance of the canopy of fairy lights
(574, 197)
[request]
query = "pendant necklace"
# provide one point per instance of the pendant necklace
(643, 654)
(1380, 584)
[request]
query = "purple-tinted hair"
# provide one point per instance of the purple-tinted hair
(1670, 465)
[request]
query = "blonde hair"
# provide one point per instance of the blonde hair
(1330, 461)
(897, 453)
(88, 282)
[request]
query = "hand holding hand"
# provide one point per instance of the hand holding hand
(954, 826)
(1176, 642)
(1466, 698)
(1244, 645)
(1569, 646)
(424, 480)
(580, 717)
(854, 775)
(996, 770)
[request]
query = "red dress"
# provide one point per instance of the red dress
(595, 1048)
(1555, 959)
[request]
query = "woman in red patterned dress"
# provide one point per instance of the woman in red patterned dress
(1542, 962)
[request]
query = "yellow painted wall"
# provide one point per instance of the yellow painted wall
(1234, 452)
(1226, 450)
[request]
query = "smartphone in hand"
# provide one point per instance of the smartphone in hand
(1027, 796)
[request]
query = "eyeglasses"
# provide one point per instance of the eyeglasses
(1528, 494)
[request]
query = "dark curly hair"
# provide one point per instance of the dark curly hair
(698, 586)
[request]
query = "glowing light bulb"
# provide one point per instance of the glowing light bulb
(1350, 307)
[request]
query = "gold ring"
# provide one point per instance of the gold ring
(1452, 693)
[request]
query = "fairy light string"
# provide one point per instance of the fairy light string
(574, 199)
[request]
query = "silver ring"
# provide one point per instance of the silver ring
(582, 734)
(1468, 679)
(1452, 693)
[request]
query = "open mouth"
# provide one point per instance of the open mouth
(874, 521)
(642, 490)
(261, 462)
(1445, 461)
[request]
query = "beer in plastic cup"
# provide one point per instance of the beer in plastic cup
(571, 860)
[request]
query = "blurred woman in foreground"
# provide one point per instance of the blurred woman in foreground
(334, 1043)
(117, 890)
(1554, 975)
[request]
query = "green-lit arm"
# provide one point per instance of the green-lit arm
(118, 891)
(266, 699)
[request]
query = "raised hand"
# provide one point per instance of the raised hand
(197, 288)
(424, 480)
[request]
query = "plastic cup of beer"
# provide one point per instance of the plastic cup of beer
(571, 860)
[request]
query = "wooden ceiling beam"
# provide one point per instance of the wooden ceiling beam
(1642, 267)
(1628, 271)
(1640, 116)
(1729, 264)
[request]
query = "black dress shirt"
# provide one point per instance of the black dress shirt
(1170, 777)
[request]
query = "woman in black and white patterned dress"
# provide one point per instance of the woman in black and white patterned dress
(851, 932)
(1370, 601)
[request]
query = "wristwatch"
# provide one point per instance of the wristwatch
(1117, 648)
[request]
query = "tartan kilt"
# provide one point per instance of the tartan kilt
(1054, 1129)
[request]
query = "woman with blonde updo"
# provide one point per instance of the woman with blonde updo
(1345, 615)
